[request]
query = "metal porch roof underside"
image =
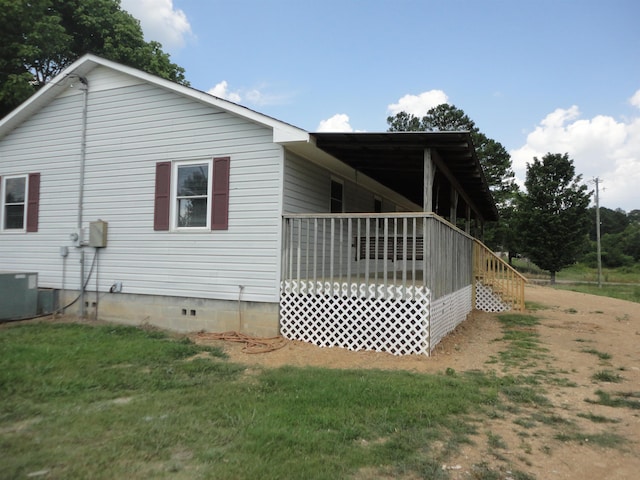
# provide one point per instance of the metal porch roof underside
(396, 160)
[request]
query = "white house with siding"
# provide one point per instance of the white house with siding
(144, 201)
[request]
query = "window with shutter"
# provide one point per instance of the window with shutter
(192, 195)
(19, 202)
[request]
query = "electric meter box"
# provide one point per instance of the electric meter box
(98, 234)
(18, 295)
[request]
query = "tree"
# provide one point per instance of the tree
(634, 216)
(493, 156)
(611, 221)
(39, 38)
(552, 217)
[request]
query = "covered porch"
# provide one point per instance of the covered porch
(386, 282)
(395, 281)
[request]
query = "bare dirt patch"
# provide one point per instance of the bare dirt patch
(572, 437)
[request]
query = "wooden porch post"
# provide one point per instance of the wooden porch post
(467, 220)
(453, 210)
(427, 227)
(429, 175)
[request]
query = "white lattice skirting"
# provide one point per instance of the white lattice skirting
(448, 312)
(489, 301)
(393, 319)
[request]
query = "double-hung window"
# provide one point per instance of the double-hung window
(15, 195)
(19, 199)
(192, 195)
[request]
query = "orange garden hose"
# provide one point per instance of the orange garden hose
(252, 344)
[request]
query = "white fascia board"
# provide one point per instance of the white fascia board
(287, 134)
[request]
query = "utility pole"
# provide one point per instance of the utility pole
(597, 182)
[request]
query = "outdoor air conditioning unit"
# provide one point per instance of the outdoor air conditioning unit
(18, 295)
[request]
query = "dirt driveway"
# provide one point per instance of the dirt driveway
(591, 344)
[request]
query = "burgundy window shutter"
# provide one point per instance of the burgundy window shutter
(220, 194)
(163, 196)
(33, 202)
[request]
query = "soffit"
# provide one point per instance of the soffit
(396, 160)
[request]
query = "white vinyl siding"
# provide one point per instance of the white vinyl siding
(131, 127)
(307, 189)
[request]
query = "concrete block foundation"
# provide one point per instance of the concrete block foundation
(259, 319)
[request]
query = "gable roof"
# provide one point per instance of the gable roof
(282, 131)
(394, 160)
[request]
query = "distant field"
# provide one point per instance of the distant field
(629, 292)
(623, 283)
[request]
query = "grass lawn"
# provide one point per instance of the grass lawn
(79, 401)
(622, 283)
(623, 292)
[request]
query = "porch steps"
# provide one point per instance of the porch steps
(503, 280)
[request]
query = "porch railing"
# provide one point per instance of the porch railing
(493, 272)
(394, 282)
(399, 249)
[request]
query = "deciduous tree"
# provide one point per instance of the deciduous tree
(552, 216)
(39, 38)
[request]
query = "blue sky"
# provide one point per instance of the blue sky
(538, 76)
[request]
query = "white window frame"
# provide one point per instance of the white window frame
(174, 197)
(3, 204)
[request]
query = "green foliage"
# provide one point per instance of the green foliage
(617, 399)
(606, 376)
(597, 353)
(597, 418)
(40, 38)
(510, 320)
(552, 218)
(620, 238)
(611, 221)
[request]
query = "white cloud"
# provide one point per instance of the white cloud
(600, 147)
(635, 99)
(338, 123)
(161, 22)
(419, 105)
(221, 90)
(251, 96)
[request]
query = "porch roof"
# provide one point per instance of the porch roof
(396, 160)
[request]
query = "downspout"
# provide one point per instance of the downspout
(84, 87)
